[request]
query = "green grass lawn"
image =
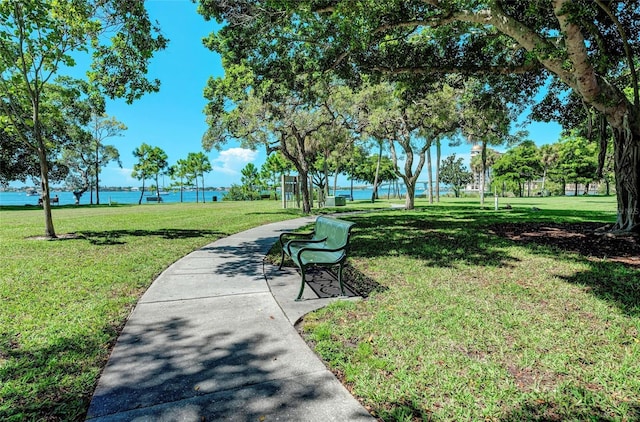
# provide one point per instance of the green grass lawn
(63, 302)
(468, 326)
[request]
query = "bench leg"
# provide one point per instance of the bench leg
(340, 278)
(281, 259)
(301, 284)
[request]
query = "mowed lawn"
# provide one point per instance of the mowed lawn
(63, 302)
(464, 325)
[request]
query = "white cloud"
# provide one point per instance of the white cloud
(232, 160)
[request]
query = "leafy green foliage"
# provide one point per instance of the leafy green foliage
(365, 169)
(152, 162)
(197, 164)
(274, 168)
(454, 173)
(577, 159)
(519, 165)
(38, 38)
(85, 157)
(587, 48)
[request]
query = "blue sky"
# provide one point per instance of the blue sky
(172, 119)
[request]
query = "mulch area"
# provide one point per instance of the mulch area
(587, 239)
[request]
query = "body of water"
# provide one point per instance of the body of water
(132, 197)
(115, 197)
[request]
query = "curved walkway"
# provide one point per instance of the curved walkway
(213, 339)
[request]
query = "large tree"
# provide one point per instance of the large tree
(588, 47)
(577, 160)
(40, 38)
(519, 165)
(410, 126)
(63, 116)
(280, 118)
(455, 174)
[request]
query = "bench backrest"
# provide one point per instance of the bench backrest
(335, 231)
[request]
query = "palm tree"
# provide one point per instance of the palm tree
(198, 165)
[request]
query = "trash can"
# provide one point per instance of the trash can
(215, 198)
(335, 201)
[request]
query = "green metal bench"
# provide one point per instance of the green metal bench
(325, 246)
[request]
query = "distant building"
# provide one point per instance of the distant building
(475, 184)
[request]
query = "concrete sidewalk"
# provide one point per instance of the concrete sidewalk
(213, 339)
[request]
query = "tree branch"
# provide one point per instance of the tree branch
(509, 70)
(627, 50)
(524, 36)
(586, 81)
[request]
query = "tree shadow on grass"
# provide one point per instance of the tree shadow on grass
(440, 240)
(44, 397)
(585, 408)
(613, 262)
(613, 283)
(437, 241)
(117, 237)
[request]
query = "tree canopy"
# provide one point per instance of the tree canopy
(588, 48)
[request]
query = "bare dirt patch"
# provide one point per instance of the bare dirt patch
(586, 239)
(64, 236)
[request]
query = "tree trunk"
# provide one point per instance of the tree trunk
(430, 176)
(483, 172)
(203, 195)
(627, 170)
(374, 194)
(304, 188)
(141, 193)
(438, 156)
(326, 175)
(352, 188)
(46, 194)
(49, 230)
(409, 202)
(97, 170)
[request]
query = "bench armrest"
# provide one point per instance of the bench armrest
(294, 234)
(287, 246)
